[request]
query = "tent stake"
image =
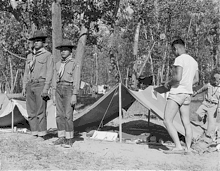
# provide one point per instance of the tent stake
(120, 115)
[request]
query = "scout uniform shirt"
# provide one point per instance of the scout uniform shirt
(213, 94)
(65, 70)
(39, 66)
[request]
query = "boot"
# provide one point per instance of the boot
(59, 141)
(68, 143)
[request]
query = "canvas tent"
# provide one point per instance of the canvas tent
(107, 109)
(12, 110)
(9, 107)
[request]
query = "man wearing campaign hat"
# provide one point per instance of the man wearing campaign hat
(65, 94)
(36, 83)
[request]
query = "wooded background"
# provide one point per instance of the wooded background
(124, 38)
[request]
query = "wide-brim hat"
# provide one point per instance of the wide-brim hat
(66, 43)
(38, 35)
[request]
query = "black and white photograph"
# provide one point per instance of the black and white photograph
(110, 85)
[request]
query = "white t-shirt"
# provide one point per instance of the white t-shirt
(190, 66)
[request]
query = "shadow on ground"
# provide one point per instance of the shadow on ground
(140, 128)
(149, 134)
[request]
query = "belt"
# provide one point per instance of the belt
(65, 83)
(210, 101)
(38, 80)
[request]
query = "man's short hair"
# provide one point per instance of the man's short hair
(178, 41)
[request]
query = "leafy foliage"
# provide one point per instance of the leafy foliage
(111, 31)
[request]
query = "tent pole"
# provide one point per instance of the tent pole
(120, 115)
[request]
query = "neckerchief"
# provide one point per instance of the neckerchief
(213, 87)
(33, 60)
(63, 64)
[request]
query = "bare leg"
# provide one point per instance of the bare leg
(171, 110)
(184, 113)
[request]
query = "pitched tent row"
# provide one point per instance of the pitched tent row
(102, 111)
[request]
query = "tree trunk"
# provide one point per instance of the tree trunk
(16, 76)
(126, 82)
(158, 76)
(163, 63)
(146, 59)
(112, 37)
(135, 52)
(157, 10)
(56, 37)
(96, 66)
(80, 53)
(56, 29)
(107, 70)
(167, 73)
(218, 57)
(152, 69)
(12, 76)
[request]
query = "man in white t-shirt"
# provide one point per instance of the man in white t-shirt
(185, 75)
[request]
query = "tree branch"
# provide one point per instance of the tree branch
(11, 53)
(146, 59)
(4, 75)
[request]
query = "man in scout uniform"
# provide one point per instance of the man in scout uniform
(37, 80)
(65, 94)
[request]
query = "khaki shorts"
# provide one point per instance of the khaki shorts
(181, 98)
(207, 108)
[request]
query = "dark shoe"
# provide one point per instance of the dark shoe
(68, 143)
(43, 138)
(59, 141)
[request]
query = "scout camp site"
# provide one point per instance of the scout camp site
(143, 140)
(123, 51)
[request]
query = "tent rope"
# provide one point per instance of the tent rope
(101, 123)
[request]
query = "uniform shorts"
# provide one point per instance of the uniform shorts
(181, 98)
(207, 108)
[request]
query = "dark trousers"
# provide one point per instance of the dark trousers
(64, 110)
(36, 109)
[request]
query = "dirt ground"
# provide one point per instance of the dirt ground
(19, 151)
